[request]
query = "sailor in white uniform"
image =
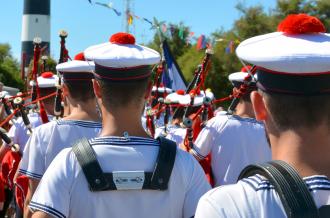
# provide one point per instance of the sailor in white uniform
(19, 132)
(175, 131)
(49, 139)
(293, 100)
(234, 140)
(123, 150)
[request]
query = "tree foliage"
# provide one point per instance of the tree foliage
(9, 68)
(176, 37)
(252, 21)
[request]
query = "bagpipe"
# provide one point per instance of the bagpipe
(20, 106)
(31, 101)
(193, 112)
(17, 106)
(242, 90)
(159, 104)
(64, 56)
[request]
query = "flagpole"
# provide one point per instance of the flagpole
(127, 12)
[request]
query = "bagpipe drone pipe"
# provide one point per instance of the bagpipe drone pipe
(18, 109)
(64, 56)
(242, 90)
(193, 114)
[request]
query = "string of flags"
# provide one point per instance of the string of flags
(202, 41)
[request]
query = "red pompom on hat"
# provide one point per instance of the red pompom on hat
(122, 38)
(180, 92)
(47, 75)
(246, 68)
(301, 24)
(80, 57)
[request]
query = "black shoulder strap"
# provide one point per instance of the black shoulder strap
(292, 190)
(164, 164)
(90, 166)
(100, 181)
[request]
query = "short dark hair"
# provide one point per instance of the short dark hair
(47, 91)
(81, 90)
(120, 94)
(296, 111)
(246, 96)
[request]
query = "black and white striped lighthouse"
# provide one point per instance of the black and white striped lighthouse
(36, 23)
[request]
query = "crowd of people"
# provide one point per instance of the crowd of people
(125, 147)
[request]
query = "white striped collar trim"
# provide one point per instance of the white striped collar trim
(244, 119)
(82, 123)
(316, 182)
(116, 140)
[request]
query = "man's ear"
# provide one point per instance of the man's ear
(148, 90)
(65, 90)
(97, 89)
(259, 106)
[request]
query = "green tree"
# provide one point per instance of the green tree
(318, 8)
(252, 21)
(176, 36)
(9, 68)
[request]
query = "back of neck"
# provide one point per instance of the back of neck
(244, 109)
(84, 111)
(117, 122)
(306, 150)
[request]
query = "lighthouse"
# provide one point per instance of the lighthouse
(36, 23)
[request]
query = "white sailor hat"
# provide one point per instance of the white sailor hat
(121, 59)
(4, 94)
(175, 97)
(77, 69)
(46, 80)
(237, 79)
(161, 89)
(184, 99)
(294, 60)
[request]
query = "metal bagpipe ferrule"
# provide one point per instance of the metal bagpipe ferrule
(150, 122)
(19, 104)
(5, 105)
(205, 113)
(188, 123)
(8, 140)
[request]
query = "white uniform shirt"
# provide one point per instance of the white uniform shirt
(19, 133)
(174, 133)
(64, 192)
(234, 143)
(255, 197)
(49, 139)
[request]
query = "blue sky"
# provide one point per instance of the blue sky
(91, 24)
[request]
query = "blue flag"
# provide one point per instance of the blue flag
(172, 75)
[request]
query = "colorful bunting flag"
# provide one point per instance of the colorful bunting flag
(130, 19)
(201, 42)
(181, 33)
(109, 6)
(164, 28)
(230, 47)
(148, 21)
